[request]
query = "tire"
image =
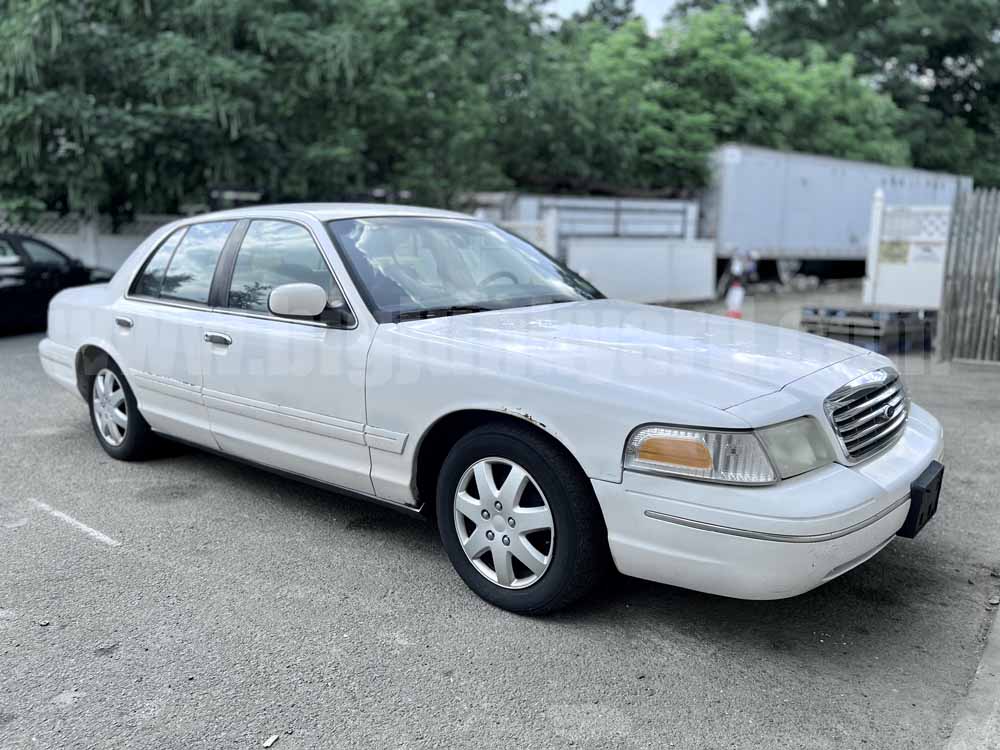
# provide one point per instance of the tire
(568, 557)
(130, 441)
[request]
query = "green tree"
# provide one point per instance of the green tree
(127, 105)
(712, 64)
(940, 63)
(612, 13)
(105, 103)
(593, 117)
(685, 7)
(427, 105)
(109, 106)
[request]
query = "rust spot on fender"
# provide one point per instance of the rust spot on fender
(521, 414)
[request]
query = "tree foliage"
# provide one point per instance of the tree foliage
(594, 117)
(612, 13)
(940, 63)
(121, 105)
(818, 104)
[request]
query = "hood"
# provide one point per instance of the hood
(712, 359)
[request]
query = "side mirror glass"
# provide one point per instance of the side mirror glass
(297, 301)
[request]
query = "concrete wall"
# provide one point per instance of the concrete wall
(107, 251)
(90, 241)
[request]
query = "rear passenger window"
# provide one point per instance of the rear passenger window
(274, 253)
(148, 283)
(189, 274)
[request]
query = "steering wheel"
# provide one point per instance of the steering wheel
(497, 276)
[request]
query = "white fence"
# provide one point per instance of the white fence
(906, 254)
(629, 254)
(543, 234)
(645, 269)
(90, 241)
(594, 216)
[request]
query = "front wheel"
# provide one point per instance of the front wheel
(121, 430)
(519, 520)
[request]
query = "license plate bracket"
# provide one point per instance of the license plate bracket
(924, 493)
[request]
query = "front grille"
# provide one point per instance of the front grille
(869, 413)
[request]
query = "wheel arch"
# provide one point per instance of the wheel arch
(88, 362)
(438, 439)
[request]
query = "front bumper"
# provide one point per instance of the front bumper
(770, 542)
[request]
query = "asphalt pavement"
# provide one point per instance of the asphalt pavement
(192, 602)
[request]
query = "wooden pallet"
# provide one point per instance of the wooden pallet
(876, 327)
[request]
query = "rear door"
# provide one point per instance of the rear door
(159, 325)
(286, 393)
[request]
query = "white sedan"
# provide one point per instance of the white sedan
(434, 363)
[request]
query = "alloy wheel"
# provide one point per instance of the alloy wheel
(110, 407)
(504, 523)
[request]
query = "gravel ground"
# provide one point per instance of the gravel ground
(239, 605)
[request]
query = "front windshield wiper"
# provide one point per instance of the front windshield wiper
(439, 312)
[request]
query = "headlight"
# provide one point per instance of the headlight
(736, 457)
(752, 457)
(796, 447)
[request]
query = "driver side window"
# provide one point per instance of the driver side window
(274, 253)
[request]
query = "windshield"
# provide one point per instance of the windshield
(409, 267)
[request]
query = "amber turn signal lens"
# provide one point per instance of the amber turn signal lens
(734, 456)
(677, 451)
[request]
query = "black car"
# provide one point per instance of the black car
(31, 272)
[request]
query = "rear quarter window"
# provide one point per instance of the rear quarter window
(189, 274)
(147, 284)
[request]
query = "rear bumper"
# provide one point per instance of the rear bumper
(59, 363)
(765, 543)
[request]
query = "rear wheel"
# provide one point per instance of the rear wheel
(114, 415)
(519, 520)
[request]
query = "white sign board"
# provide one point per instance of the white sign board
(906, 252)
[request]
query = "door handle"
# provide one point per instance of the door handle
(124, 322)
(218, 338)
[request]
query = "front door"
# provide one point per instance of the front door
(286, 393)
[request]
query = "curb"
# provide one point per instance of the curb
(978, 724)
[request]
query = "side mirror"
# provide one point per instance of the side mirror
(297, 301)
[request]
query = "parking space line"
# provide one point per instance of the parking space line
(94, 533)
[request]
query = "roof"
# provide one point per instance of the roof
(331, 211)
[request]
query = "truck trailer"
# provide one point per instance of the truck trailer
(806, 210)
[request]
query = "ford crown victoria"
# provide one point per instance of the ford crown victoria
(435, 363)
